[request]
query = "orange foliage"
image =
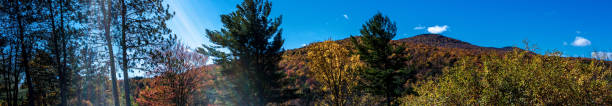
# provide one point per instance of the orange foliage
(180, 75)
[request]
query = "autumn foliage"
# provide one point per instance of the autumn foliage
(180, 74)
(335, 69)
(517, 78)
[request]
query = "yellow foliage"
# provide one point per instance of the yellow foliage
(335, 69)
(518, 78)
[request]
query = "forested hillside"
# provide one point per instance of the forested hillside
(427, 53)
(445, 66)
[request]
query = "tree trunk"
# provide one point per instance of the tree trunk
(54, 38)
(78, 96)
(15, 79)
(15, 74)
(126, 79)
(388, 94)
(110, 51)
(4, 74)
(15, 87)
(25, 56)
(62, 64)
(103, 97)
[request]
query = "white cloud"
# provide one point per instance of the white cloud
(602, 55)
(345, 16)
(578, 32)
(419, 27)
(303, 44)
(564, 43)
(437, 29)
(581, 42)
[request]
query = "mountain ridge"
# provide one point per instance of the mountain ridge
(428, 54)
(441, 40)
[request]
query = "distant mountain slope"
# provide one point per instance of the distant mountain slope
(428, 53)
(443, 41)
(438, 40)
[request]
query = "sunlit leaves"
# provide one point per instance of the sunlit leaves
(518, 78)
(335, 69)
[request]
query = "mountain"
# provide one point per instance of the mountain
(446, 42)
(438, 40)
(428, 53)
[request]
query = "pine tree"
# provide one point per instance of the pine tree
(106, 12)
(386, 75)
(143, 29)
(66, 20)
(100, 16)
(12, 32)
(254, 42)
(21, 33)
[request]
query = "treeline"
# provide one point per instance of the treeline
(63, 52)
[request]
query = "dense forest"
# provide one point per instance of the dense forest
(81, 52)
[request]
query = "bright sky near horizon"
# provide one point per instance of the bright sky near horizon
(574, 27)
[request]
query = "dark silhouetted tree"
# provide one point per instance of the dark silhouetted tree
(21, 36)
(65, 18)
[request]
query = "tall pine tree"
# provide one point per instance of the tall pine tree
(143, 29)
(385, 76)
(16, 20)
(254, 41)
(105, 6)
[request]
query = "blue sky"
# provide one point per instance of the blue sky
(576, 28)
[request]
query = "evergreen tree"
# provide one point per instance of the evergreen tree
(386, 75)
(254, 42)
(23, 34)
(143, 29)
(105, 7)
(99, 39)
(65, 17)
(16, 51)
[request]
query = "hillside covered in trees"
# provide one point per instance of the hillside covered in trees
(82, 53)
(434, 58)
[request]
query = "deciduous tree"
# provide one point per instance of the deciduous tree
(179, 75)
(337, 71)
